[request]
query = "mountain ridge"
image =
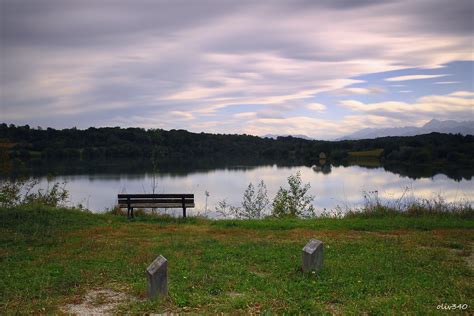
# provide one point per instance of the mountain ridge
(434, 125)
(275, 136)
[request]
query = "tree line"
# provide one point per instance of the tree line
(26, 143)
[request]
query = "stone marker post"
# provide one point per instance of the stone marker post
(157, 275)
(312, 256)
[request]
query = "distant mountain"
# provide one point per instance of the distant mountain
(273, 136)
(448, 127)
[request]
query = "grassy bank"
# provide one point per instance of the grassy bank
(366, 154)
(375, 263)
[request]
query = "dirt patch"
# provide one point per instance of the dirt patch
(98, 302)
(334, 309)
(242, 234)
(299, 233)
(234, 294)
(449, 232)
(390, 234)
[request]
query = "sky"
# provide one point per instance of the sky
(323, 68)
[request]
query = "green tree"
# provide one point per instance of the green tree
(295, 201)
(254, 205)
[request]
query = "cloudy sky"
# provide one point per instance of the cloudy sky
(321, 68)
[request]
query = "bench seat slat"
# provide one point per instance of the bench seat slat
(155, 200)
(131, 201)
(146, 196)
(156, 205)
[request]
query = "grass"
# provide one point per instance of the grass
(375, 154)
(382, 263)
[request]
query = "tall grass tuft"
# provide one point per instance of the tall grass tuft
(436, 206)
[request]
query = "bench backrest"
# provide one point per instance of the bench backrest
(156, 200)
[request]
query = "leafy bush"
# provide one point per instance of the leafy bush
(254, 205)
(55, 195)
(21, 192)
(226, 210)
(295, 201)
(12, 192)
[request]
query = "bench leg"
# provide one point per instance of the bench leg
(184, 212)
(130, 214)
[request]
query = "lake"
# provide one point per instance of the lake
(334, 187)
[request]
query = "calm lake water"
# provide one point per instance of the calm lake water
(339, 187)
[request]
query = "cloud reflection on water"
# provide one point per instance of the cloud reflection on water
(343, 186)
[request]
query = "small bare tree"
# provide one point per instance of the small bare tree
(254, 205)
(156, 155)
(207, 196)
(226, 210)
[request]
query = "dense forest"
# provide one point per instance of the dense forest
(23, 143)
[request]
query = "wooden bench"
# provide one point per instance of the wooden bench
(131, 201)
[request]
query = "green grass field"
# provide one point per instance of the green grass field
(374, 154)
(385, 263)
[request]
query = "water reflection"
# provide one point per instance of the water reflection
(333, 186)
(323, 166)
(135, 168)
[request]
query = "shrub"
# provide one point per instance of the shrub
(254, 205)
(226, 210)
(20, 192)
(13, 192)
(55, 195)
(295, 201)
